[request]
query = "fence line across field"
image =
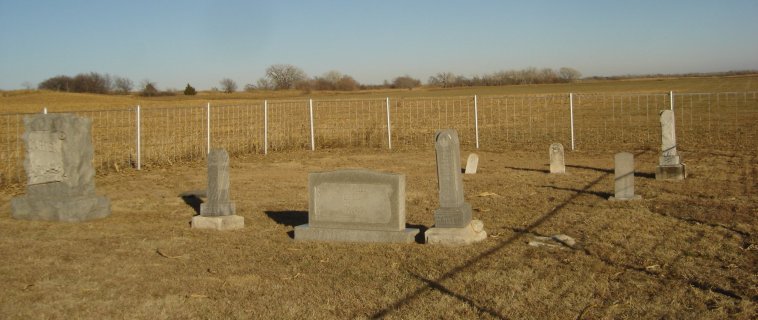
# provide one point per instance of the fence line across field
(141, 136)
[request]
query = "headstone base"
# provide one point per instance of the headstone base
(635, 197)
(218, 223)
(458, 217)
(677, 172)
(307, 232)
(474, 232)
(72, 209)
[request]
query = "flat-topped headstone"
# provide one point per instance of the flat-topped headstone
(218, 212)
(60, 171)
(452, 220)
(557, 159)
(356, 205)
(472, 163)
(624, 177)
(670, 165)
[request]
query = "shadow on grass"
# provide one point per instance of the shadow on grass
(646, 175)
(528, 169)
(289, 218)
(192, 199)
(604, 195)
(421, 231)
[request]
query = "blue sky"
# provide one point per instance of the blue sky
(201, 42)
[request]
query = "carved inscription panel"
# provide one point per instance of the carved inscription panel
(353, 203)
(45, 157)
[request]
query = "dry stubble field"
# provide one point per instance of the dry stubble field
(687, 250)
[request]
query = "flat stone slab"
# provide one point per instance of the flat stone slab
(73, 209)
(614, 198)
(222, 223)
(474, 232)
(310, 233)
(677, 172)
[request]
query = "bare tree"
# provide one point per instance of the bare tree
(569, 74)
(405, 82)
(442, 79)
(285, 76)
(228, 85)
(27, 85)
(149, 88)
(122, 85)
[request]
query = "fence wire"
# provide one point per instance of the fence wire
(712, 121)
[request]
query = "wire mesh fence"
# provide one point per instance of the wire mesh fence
(157, 136)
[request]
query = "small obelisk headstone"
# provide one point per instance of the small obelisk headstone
(557, 159)
(452, 220)
(218, 212)
(472, 163)
(60, 171)
(670, 166)
(624, 177)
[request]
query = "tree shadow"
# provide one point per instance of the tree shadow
(528, 169)
(604, 195)
(646, 175)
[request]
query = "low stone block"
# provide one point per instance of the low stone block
(218, 222)
(73, 209)
(677, 172)
(474, 232)
(472, 163)
(306, 232)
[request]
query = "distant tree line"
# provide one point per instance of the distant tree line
(92, 82)
(674, 75)
(503, 78)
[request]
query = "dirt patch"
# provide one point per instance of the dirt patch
(688, 249)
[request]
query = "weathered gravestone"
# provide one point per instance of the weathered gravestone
(472, 163)
(557, 159)
(452, 220)
(356, 205)
(218, 212)
(670, 165)
(61, 176)
(624, 177)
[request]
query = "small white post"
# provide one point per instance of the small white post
(44, 110)
(389, 125)
(571, 108)
(313, 139)
(671, 100)
(208, 128)
(476, 120)
(265, 126)
(139, 140)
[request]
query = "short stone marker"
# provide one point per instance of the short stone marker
(452, 220)
(356, 205)
(472, 163)
(624, 177)
(218, 212)
(557, 159)
(670, 166)
(60, 171)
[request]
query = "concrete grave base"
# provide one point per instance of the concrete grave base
(635, 197)
(676, 172)
(218, 223)
(73, 209)
(307, 232)
(474, 232)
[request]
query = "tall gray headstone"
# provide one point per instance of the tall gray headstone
(670, 165)
(624, 177)
(356, 205)
(60, 171)
(472, 163)
(218, 212)
(557, 159)
(452, 220)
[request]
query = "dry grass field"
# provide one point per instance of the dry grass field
(687, 250)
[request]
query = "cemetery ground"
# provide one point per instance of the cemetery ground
(688, 249)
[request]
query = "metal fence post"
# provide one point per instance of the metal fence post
(476, 120)
(208, 128)
(571, 108)
(313, 139)
(44, 110)
(139, 140)
(389, 125)
(671, 100)
(265, 126)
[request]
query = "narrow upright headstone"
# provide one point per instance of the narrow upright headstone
(557, 159)
(472, 163)
(60, 171)
(624, 177)
(452, 220)
(670, 165)
(218, 212)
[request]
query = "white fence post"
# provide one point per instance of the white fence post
(313, 139)
(44, 110)
(571, 107)
(671, 100)
(389, 124)
(476, 120)
(265, 126)
(139, 140)
(208, 128)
